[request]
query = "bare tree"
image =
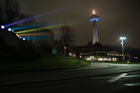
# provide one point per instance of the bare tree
(1, 13)
(11, 11)
(67, 37)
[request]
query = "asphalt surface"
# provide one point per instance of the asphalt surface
(116, 83)
(93, 70)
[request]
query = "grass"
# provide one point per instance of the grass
(40, 64)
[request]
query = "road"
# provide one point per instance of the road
(116, 83)
(118, 79)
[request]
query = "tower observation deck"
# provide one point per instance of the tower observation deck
(93, 18)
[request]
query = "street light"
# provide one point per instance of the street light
(122, 38)
(64, 50)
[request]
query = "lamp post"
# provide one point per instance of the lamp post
(64, 51)
(122, 38)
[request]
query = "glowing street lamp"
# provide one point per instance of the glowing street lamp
(122, 38)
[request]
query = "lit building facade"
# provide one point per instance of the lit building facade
(103, 56)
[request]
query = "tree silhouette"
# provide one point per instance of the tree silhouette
(66, 38)
(10, 11)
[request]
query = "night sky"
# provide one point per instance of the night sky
(117, 18)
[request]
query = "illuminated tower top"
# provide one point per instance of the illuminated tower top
(94, 16)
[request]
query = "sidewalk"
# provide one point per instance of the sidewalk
(96, 65)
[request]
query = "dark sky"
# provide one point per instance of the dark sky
(117, 18)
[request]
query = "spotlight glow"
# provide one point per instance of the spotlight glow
(30, 30)
(23, 38)
(41, 15)
(23, 27)
(2, 27)
(9, 29)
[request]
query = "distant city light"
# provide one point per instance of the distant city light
(88, 59)
(2, 27)
(135, 57)
(69, 54)
(9, 29)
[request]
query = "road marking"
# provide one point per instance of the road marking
(133, 84)
(116, 78)
(132, 76)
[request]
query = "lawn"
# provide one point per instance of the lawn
(40, 64)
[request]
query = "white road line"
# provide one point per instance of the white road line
(132, 76)
(133, 84)
(116, 78)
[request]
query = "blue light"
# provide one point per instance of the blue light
(38, 16)
(9, 29)
(94, 19)
(23, 27)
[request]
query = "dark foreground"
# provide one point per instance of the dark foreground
(118, 83)
(120, 79)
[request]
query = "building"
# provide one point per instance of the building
(103, 56)
(97, 52)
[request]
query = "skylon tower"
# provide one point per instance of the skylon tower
(94, 18)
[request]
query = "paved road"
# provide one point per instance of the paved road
(95, 69)
(116, 83)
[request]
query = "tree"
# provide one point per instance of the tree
(67, 37)
(10, 11)
(1, 12)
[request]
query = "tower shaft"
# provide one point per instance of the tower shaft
(95, 34)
